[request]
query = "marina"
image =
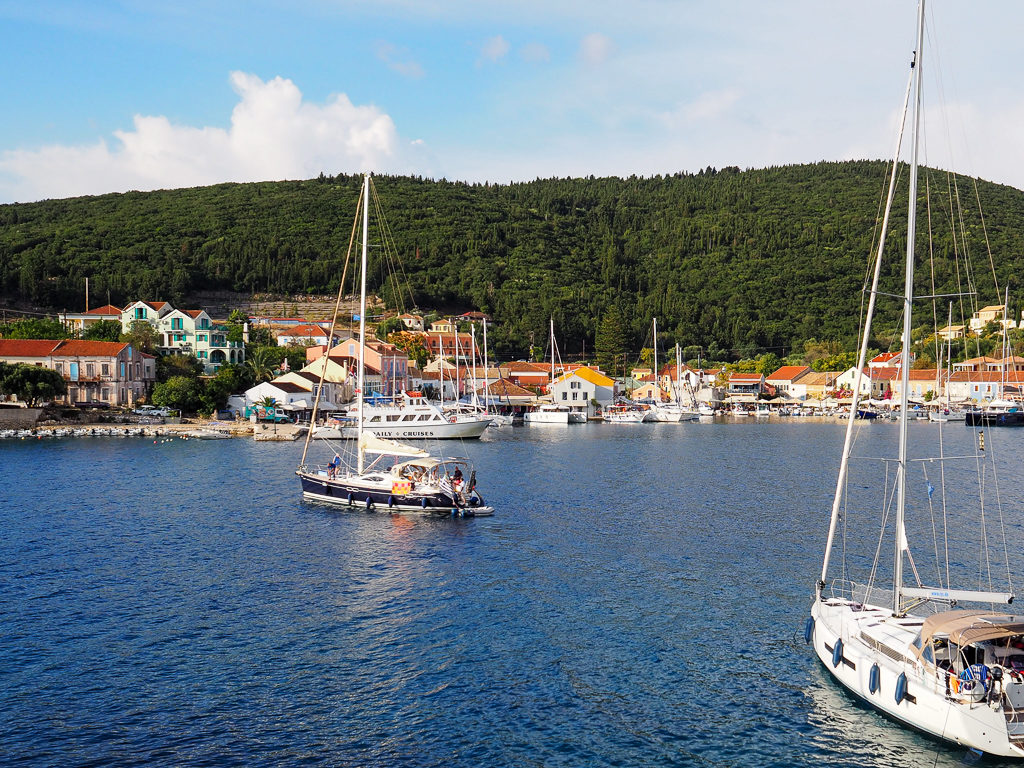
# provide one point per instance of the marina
(151, 620)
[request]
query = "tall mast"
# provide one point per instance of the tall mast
(844, 463)
(552, 349)
(360, 381)
(908, 299)
(472, 330)
(655, 338)
(487, 391)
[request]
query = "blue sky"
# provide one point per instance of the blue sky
(105, 96)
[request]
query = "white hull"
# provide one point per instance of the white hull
(993, 727)
(546, 417)
(427, 431)
(630, 417)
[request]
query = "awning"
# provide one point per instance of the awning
(964, 627)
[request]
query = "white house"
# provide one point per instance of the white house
(579, 388)
(186, 332)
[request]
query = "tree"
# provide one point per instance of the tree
(34, 328)
(257, 360)
(30, 383)
(413, 345)
(182, 393)
(169, 366)
(768, 363)
(610, 344)
(104, 330)
(142, 336)
(385, 328)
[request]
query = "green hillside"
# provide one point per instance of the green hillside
(735, 262)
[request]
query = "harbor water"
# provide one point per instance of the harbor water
(638, 599)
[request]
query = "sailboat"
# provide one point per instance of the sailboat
(549, 413)
(673, 410)
(911, 651)
(386, 474)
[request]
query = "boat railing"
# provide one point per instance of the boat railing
(845, 589)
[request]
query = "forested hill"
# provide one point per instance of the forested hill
(737, 262)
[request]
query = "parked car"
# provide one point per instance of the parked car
(151, 410)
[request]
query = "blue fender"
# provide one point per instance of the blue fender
(809, 629)
(901, 687)
(837, 653)
(874, 679)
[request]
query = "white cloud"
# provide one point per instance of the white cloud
(274, 135)
(399, 60)
(595, 48)
(495, 48)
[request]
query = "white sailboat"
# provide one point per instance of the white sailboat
(908, 649)
(549, 413)
(387, 474)
(674, 410)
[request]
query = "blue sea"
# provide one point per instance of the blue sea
(638, 599)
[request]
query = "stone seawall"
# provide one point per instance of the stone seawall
(19, 418)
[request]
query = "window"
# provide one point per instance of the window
(122, 370)
(59, 368)
(201, 337)
(176, 324)
(565, 396)
(105, 369)
(574, 395)
(179, 337)
(90, 370)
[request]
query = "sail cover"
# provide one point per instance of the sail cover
(370, 443)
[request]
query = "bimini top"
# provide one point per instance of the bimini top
(964, 627)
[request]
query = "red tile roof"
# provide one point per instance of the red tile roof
(27, 347)
(108, 309)
(788, 373)
(82, 348)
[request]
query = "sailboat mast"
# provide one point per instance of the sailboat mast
(655, 340)
(361, 378)
(908, 299)
(472, 330)
(552, 348)
(487, 391)
(844, 463)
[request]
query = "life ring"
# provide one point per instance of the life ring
(452, 419)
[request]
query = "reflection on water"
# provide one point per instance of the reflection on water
(638, 599)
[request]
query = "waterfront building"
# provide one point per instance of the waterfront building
(109, 372)
(581, 388)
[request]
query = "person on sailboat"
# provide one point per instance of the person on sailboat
(332, 468)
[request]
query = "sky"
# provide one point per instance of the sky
(115, 95)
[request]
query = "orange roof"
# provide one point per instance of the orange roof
(193, 313)
(745, 377)
(108, 309)
(303, 331)
(788, 373)
(885, 357)
(27, 347)
(522, 366)
(82, 348)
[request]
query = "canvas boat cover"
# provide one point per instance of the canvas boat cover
(370, 443)
(964, 627)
